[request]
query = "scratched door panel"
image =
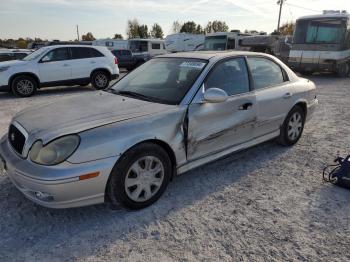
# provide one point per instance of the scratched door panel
(214, 127)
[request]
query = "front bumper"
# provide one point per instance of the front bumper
(61, 182)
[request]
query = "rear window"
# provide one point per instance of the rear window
(84, 52)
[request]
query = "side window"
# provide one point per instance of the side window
(155, 46)
(20, 56)
(95, 53)
(58, 54)
(6, 57)
(125, 53)
(265, 72)
(231, 76)
(80, 53)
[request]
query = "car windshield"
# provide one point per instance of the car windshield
(215, 42)
(161, 80)
(35, 54)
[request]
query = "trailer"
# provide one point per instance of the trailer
(182, 42)
(225, 41)
(147, 47)
(111, 44)
(322, 43)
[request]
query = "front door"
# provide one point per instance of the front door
(213, 127)
(55, 66)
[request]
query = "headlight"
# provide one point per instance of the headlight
(55, 152)
(4, 68)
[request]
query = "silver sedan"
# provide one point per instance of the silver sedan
(172, 114)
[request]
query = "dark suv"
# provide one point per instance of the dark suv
(128, 60)
(12, 55)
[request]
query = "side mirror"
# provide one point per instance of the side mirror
(215, 95)
(45, 59)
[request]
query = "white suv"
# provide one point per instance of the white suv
(59, 65)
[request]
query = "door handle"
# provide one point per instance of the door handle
(65, 65)
(287, 95)
(92, 62)
(246, 106)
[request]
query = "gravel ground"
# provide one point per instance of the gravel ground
(267, 203)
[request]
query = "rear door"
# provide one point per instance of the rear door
(273, 92)
(84, 61)
(214, 127)
(55, 66)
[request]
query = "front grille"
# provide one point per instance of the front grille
(17, 139)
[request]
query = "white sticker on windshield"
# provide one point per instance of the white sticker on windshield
(192, 64)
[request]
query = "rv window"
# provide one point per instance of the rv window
(138, 46)
(155, 46)
(330, 31)
(215, 42)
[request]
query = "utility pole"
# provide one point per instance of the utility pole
(78, 33)
(280, 2)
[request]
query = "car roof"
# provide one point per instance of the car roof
(207, 55)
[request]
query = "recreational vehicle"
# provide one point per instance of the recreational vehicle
(182, 42)
(112, 44)
(225, 41)
(322, 43)
(147, 47)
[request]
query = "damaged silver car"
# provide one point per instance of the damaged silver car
(172, 114)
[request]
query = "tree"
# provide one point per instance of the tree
(287, 28)
(176, 27)
(199, 30)
(118, 36)
(21, 43)
(189, 27)
(157, 31)
(132, 29)
(88, 37)
(216, 26)
(143, 31)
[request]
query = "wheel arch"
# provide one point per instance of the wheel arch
(302, 104)
(33, 75)
(103, 69)
(158, 142)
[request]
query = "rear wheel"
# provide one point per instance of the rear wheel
(140, 177)
(292, 127)
(24, 86)
(343, 69)
(100, 80)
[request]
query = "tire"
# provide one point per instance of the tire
(343, 70)
(100, 80)
(132, 184)
(24, 86)
(291, 132)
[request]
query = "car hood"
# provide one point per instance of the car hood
(12, 63)
(79, 113)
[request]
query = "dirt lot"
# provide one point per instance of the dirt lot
(267, 203)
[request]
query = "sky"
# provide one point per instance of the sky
(57, 19)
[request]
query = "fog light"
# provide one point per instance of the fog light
(43, 196)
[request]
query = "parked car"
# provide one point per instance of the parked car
(13, 54)
(59, 65)
(170, 115)
(126, 59)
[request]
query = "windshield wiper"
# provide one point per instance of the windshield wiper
(133, 95)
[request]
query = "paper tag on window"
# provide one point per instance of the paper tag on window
(192, 64)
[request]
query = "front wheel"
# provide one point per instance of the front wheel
(100, 80)
(24, 86)
(140, 177)
(292, 127)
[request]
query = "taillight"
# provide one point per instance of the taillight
(116, 61)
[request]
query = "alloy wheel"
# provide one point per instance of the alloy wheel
(25, 87)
